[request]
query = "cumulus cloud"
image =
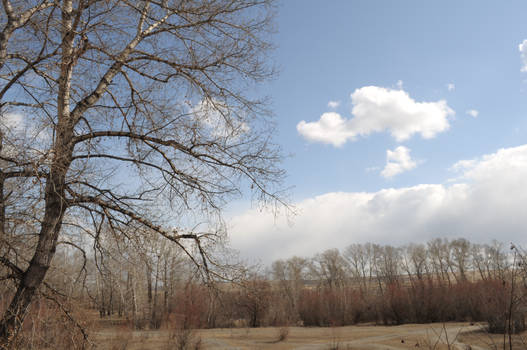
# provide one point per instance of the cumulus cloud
(473, 113)
(487, 201)
(378, 109)
(399, 84)
(333, 104)
(331, 128)
(523, 54)
(451, 86)
(398, 161)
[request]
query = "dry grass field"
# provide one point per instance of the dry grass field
(413, 336)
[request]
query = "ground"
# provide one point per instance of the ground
(423, 336)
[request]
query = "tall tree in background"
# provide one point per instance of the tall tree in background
(132, 116)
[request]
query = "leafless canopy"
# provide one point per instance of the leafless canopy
(127, 115)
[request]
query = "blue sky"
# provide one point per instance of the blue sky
(434, 88)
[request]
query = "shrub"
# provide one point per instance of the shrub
(183, 339)
(283, 333)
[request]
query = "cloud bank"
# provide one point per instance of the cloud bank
(377, 109)
(486, 201)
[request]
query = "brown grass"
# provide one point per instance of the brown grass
(413, 336)
(282, 334)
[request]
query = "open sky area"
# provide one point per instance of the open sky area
(405, 121)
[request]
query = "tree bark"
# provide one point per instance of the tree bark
(40, 263)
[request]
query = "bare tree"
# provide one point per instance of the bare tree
(138, 117)
(389, 262)
(460, 255)
(358, 257)
(290, 276)
(439, 252)
(254, 298)
(416, 264)
(329, 268)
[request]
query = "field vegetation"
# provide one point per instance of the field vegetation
(130, 298)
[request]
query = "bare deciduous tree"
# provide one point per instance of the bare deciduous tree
(329, 268)
(127, 115)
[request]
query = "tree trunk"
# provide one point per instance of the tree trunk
(165, 285)
(2, 204)
(155, 323)
(134, 299)
(34, 275)
(55, 207)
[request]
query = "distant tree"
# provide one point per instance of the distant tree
(254, 299)
(358, 257)
(414, 261)
(460, 249)
(439, 252)
(290, 276)
(126, 115)
(390, 264)
(329, 268)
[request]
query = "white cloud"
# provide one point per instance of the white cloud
(333, 104)
(398, 161)
(486, 202)
(330, 128)
(506, 162)
(377, 109)
(473, 113)
(451, 86)
(523, 54)
(399, 84)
